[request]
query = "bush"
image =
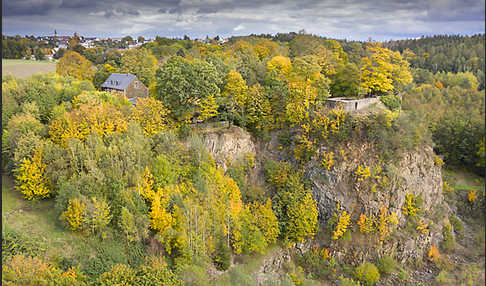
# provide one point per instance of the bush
(367, 273)
(15, 243)
(392, 102)
(457, 223)
(386, 264)
(443, 277)
(449, 242)
(402, 275)
(222, 256)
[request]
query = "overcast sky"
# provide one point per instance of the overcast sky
(341, 19)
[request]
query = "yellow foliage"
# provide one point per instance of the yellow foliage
(70, 273)
(75, 65)
(160, 219)
(390, 116)
(472, 196)
(266, 220)
(325, 253)
(446, 188)
(422, 227)
(363, 173)
(279, 64)
(101, 119)
(434, 253)
(366, 224)
(328, 161)
(74, 214)
(381, 69)
(410, 206)
(31, 177)
(438, 161)
(145, 188)
(343, 221)
(152, 115)
(208, 108)
(384, 221)
(343, 154)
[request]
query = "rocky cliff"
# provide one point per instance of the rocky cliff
(382, 184)
(227, 144)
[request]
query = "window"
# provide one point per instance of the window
(136, 84)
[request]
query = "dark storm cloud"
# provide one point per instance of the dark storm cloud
(28, 7)
(351, 19)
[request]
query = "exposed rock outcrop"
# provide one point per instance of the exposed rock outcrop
(227, 144)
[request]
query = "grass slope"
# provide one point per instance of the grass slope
(37, 220)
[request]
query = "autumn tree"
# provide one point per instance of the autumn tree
(258, 109)
(31, 177)
(383, 70)
(75, 65)
(152, 115)
(234, 96)
(183, 86)
(141, 63)
(294, 206)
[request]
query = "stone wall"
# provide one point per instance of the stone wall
(351, 104)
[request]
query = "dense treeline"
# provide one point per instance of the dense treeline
(16, 47)
(445, 54)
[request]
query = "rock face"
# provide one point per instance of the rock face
(413, 172)
(227, 144)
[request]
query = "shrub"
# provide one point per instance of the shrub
(443, 277)
(434, 253)
(449, 241)
(347, 281)
(457, 223)
(402, 275)
(392, 102)
(367, 273)
(16, 243)
(386, 264)
(120, 274)
(222, 256)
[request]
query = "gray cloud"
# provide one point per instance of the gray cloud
(351, 19)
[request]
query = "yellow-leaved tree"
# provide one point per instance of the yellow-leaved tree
(383, 70)
(101, 119)
(31, 177)
(160, 218)
(266, 220)
(303, 219)
(152, 115)
(75, 65)
(279, 65)
(235, 93)
(74, 214)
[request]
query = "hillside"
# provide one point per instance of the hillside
(236, 170)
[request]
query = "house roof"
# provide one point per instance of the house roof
(118, 81)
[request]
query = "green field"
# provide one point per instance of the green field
(26, 68)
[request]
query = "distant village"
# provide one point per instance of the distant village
(121, 44)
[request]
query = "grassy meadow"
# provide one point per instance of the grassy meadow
(26, 68)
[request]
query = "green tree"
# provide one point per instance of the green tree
(141, 63)
(183, 86)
